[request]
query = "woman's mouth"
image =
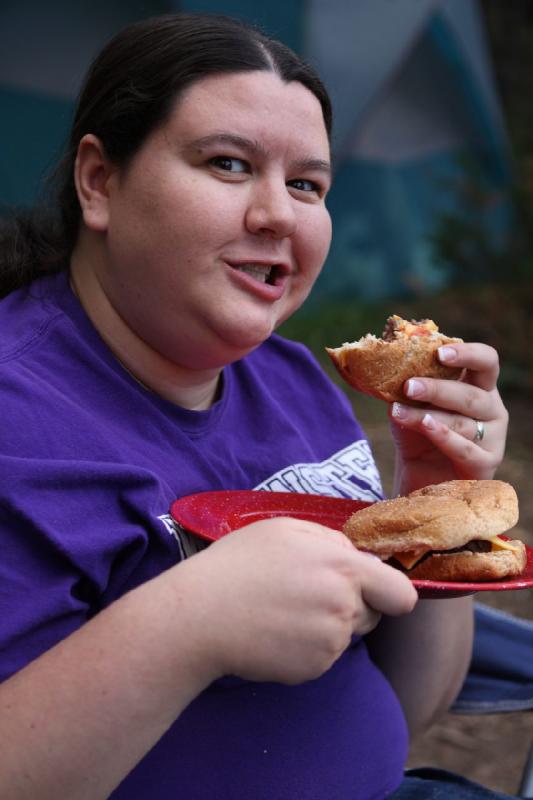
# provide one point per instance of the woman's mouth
(267, 280)
(260, 272)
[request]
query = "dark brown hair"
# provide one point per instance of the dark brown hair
(130, 89)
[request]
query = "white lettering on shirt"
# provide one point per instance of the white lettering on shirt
(350, 473)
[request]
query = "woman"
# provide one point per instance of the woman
(139, 364)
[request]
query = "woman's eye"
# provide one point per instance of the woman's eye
(229, 164)
(305, 186)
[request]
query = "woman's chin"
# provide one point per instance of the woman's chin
(249, 334)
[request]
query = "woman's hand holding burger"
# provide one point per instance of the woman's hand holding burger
(448, 418)
(441, 440)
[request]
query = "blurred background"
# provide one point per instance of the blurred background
(431, 205)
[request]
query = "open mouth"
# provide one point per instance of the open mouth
(262, 273)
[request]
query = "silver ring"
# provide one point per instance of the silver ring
(480, 431)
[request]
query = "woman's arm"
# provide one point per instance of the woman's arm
(76, 720)
(278, 601)
(426, 655)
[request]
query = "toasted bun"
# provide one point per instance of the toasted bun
(468, 566)
(437, 517)
(380, 368)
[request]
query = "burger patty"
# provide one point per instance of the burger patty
(475, 546)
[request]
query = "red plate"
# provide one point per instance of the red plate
(212, 515)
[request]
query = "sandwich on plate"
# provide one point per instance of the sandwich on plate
(449, 531)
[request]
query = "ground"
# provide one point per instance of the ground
(491, 749)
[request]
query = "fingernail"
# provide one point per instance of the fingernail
(414, 388)
(399, 411)
(428, 422)
(447, 354)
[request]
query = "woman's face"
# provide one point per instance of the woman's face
(217, 230)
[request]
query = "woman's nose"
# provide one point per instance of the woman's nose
(270, 209)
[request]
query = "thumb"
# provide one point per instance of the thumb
(387, 589)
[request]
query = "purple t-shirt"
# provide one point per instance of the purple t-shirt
(90, 463)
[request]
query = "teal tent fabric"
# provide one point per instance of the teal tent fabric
(34, 127)
(417, 117)
(283, 20)
(46, 49)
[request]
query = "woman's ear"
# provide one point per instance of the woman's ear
(92, 171)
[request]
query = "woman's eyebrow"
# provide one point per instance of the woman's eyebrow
(256, 148)
(314, 164)
(248, 145)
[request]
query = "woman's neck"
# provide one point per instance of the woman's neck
(192, 389)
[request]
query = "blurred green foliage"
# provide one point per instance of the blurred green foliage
(479, 312)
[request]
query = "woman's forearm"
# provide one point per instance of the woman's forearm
(425, 656)
(75, 721)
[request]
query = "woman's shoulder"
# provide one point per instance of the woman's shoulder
(27, 313)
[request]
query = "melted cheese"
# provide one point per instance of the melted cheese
(502, 544)
(409, 558)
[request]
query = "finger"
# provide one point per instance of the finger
(309, 527)
(386, 589)
(471, 429)
(467, 457)
(480, 360)
(462, 398)
(365, 620)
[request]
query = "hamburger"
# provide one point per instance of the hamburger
(380, 367)
(448, 531)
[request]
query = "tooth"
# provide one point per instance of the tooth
(257, 271)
